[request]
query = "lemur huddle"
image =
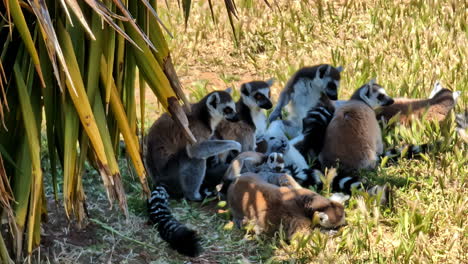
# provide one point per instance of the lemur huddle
(264, 170)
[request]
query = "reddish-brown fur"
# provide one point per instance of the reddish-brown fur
(436, 108)
(165, 139)
(353, 137)
(270, 206)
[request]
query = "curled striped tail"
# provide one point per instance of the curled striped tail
(306, 177)
(179, 237)
(408, 152)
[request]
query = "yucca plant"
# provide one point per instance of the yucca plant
(75, 64)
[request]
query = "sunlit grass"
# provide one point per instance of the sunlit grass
(407, 46)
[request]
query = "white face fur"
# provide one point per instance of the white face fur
(220, 110)
(325, 222)
(327, 84)
(251, 100)
(275, 162)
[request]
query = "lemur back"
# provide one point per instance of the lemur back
(353, 138)
(436, 108)
(269, 206)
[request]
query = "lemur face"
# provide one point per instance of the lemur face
(279, 144)
(257, 94)
(328, 78)
(374, 95)
(332, 216)
(221, 105)
(275, 162)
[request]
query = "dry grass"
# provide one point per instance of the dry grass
(406, 45)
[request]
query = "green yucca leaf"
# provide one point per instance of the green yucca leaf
(186, 6)
(4, 256)
(107, 16)
(109, 52)
(22, 27)
(79, 14)
(124, 127)
(50, 38)
(51, 109)
(32, 136)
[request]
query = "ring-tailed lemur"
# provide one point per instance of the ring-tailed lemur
(436, 107)
(349, 134)
(302, 92)
(276, 141)
(268, 167)
(252, 199)
(254, 98)
(179, 166)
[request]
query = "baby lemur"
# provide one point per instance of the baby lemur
(178, 168)
(268, 206)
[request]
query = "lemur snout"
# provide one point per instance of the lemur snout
(266, 105)
(389, 102)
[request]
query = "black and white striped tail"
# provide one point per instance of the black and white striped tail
(408, 152)
(314, 127)
(179, 237)
(311, 175)
(342, 182)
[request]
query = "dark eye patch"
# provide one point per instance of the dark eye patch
(380, 97)
(332, 86)
(228, 110)
(271, 159)
(259, 96)
(271, 138)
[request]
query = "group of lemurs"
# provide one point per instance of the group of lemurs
(263, 165)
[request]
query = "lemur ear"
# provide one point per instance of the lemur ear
(229, 90)
(372, 82)
(213, 101)
(270, 81)
(246, 88)
(364, 91)
(339, 68)
(321, 71)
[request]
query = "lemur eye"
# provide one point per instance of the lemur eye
(331, 86)
(227, 110)
(271, 159)
(271, 138)
(380, 97)
(258, 96)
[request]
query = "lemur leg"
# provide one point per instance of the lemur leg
(209, 148)
(192, 172)
(295, 158)
(283, 180)
(291, 129)
(282, 102)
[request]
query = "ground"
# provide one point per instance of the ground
(406, 45)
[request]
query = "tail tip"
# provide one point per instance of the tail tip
(188, 243)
